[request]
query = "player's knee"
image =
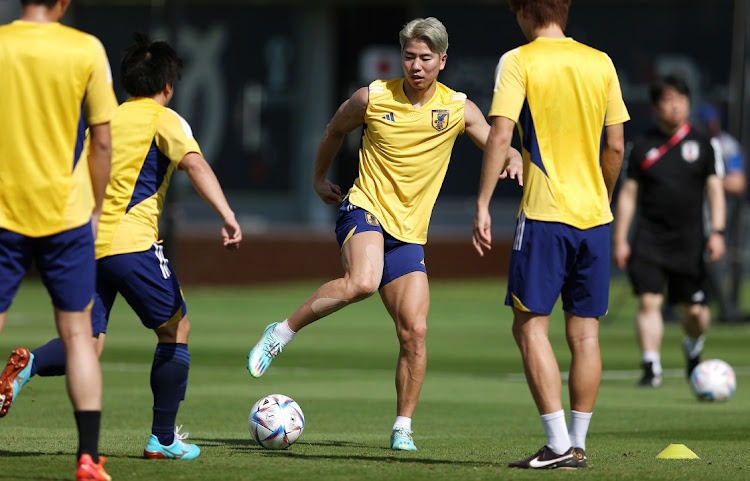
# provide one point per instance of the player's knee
(413, 336)
(650, 303)
(183, 326)
(362, 288)
(525, 334)
(175, 332)
(581, 341)
(696, 311)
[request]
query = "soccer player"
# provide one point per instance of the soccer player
(670, 169)
(150, 141)
(54, 80)
(566, 99)
(411, 124)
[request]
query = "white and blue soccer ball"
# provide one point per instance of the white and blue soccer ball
(276, 421)
(713, 380)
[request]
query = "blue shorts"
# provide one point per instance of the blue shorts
(400, 258)
(65, 262)
(146, 283)
(550, 259)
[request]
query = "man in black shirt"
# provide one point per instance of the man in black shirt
(670, 168)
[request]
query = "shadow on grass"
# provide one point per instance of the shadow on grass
(19, 454)
(391, 457)
(249, 443)
(16, 477)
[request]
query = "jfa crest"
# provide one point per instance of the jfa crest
(691, 150)
(439, 119)
(371, 219)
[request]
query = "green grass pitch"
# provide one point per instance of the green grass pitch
(475, 413)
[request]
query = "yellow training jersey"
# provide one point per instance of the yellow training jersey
(562, 94)
(404, 156)
(54, 80)
(149, 141)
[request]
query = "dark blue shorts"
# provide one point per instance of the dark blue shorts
(65, 262)
(551, 260)
(147, 284)
(401, 258)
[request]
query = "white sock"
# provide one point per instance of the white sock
(557, 432)
(283, 332)
(579, 426)
(693, 347)
(655, 359)
(402, 422)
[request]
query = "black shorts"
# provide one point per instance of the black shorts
(649, 277)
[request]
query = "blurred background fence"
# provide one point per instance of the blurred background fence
(262, 78)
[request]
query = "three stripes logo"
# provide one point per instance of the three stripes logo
(389, 116)
(163, 262)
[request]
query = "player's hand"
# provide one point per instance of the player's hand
(231, 233)
(95, 216)
(513, 170)
(622, 254)
(715, 247)
(329, 192)
(482, 235)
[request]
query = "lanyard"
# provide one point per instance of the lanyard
(654, 155)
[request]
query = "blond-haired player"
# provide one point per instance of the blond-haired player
(411, 124)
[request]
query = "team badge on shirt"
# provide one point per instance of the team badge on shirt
(371, 219)
(439, 119)
(691, 150)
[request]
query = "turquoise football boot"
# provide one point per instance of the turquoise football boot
(177, 450)
(264, 352)
(401, 440)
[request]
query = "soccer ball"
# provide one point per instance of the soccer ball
(713, 380)
(276, 421)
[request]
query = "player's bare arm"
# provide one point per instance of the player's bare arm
(717, 205)
(613, 151)
(477, 127)
(349, 116)
(205, 182)
(478, 130)
(626, 201)
(493, 164)
(99, 158)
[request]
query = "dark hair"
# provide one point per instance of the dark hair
(147, 67)
(668, 81)
(543, 12)
(47, 3)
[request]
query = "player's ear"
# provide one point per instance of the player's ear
(443, 58)
(63, 6)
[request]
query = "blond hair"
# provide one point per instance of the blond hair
(430, 30)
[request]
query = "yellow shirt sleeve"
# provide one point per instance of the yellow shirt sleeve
(174, 137)
(617, 113)
(100, 101)
(510, 87)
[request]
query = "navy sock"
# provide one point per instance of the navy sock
(169, 376)
(49, 360)
(88, 433)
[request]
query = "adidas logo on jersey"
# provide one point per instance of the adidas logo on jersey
(389, 116)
